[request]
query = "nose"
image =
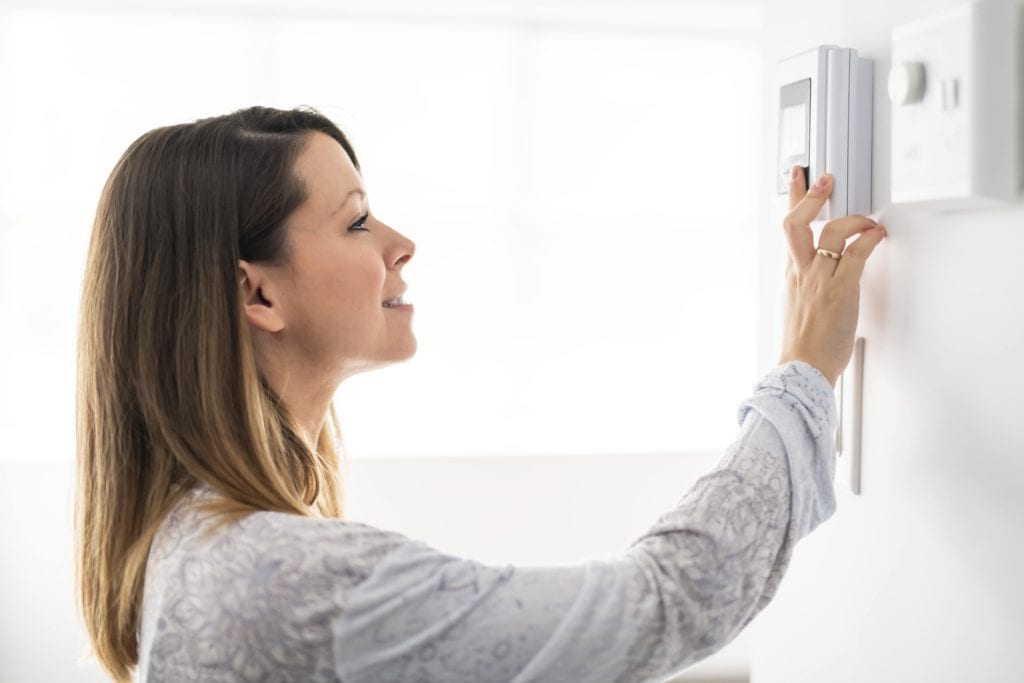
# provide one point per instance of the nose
(404, 250)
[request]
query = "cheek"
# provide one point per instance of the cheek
(355, 285)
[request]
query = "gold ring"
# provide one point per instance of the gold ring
(830, 254)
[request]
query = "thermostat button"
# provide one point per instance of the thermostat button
(906, 83)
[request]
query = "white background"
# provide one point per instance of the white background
(581, 181)
(581, 196)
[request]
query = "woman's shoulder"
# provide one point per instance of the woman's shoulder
(291, 544)
(331, 544)
(268, 579)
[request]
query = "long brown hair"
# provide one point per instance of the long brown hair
(169, 393)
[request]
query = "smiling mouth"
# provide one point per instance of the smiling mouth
(396, 301)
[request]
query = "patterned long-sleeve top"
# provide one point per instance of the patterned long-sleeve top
(282, 597)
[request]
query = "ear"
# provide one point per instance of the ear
(259, 302)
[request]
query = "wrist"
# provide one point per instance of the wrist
(831, 377)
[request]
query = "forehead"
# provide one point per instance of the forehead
(327, 172)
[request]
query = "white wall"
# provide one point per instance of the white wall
(918, 578)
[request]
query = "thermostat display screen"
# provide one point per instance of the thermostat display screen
(794, 130)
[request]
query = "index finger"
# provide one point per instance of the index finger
(805, 200)
(804, 205)
(797, 185)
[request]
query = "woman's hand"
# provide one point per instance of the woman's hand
(823, 294)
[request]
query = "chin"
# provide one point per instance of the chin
(392, 357)
(408, 351)
(397, 354)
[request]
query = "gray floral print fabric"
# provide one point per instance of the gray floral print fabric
(279, 597)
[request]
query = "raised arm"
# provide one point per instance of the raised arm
(679, 593)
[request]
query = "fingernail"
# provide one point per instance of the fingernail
(793, 173)
(822, 181)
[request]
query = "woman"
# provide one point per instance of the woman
(235, 277)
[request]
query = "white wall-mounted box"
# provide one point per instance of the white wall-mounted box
(957, 113)
(825, 125)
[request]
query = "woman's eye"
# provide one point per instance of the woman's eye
(358, 225)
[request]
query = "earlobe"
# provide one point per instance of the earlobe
(260, 312)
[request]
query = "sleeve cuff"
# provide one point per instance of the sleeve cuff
(802, 386)
(800, 403)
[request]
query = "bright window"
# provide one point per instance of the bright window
(582, 194)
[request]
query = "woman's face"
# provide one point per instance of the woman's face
(329, 298)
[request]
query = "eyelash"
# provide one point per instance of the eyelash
(359, 223)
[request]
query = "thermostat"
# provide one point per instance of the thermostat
(957, 91)
(825, 112)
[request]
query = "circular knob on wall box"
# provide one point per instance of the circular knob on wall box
(906, 83)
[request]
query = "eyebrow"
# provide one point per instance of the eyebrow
(345, 201)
